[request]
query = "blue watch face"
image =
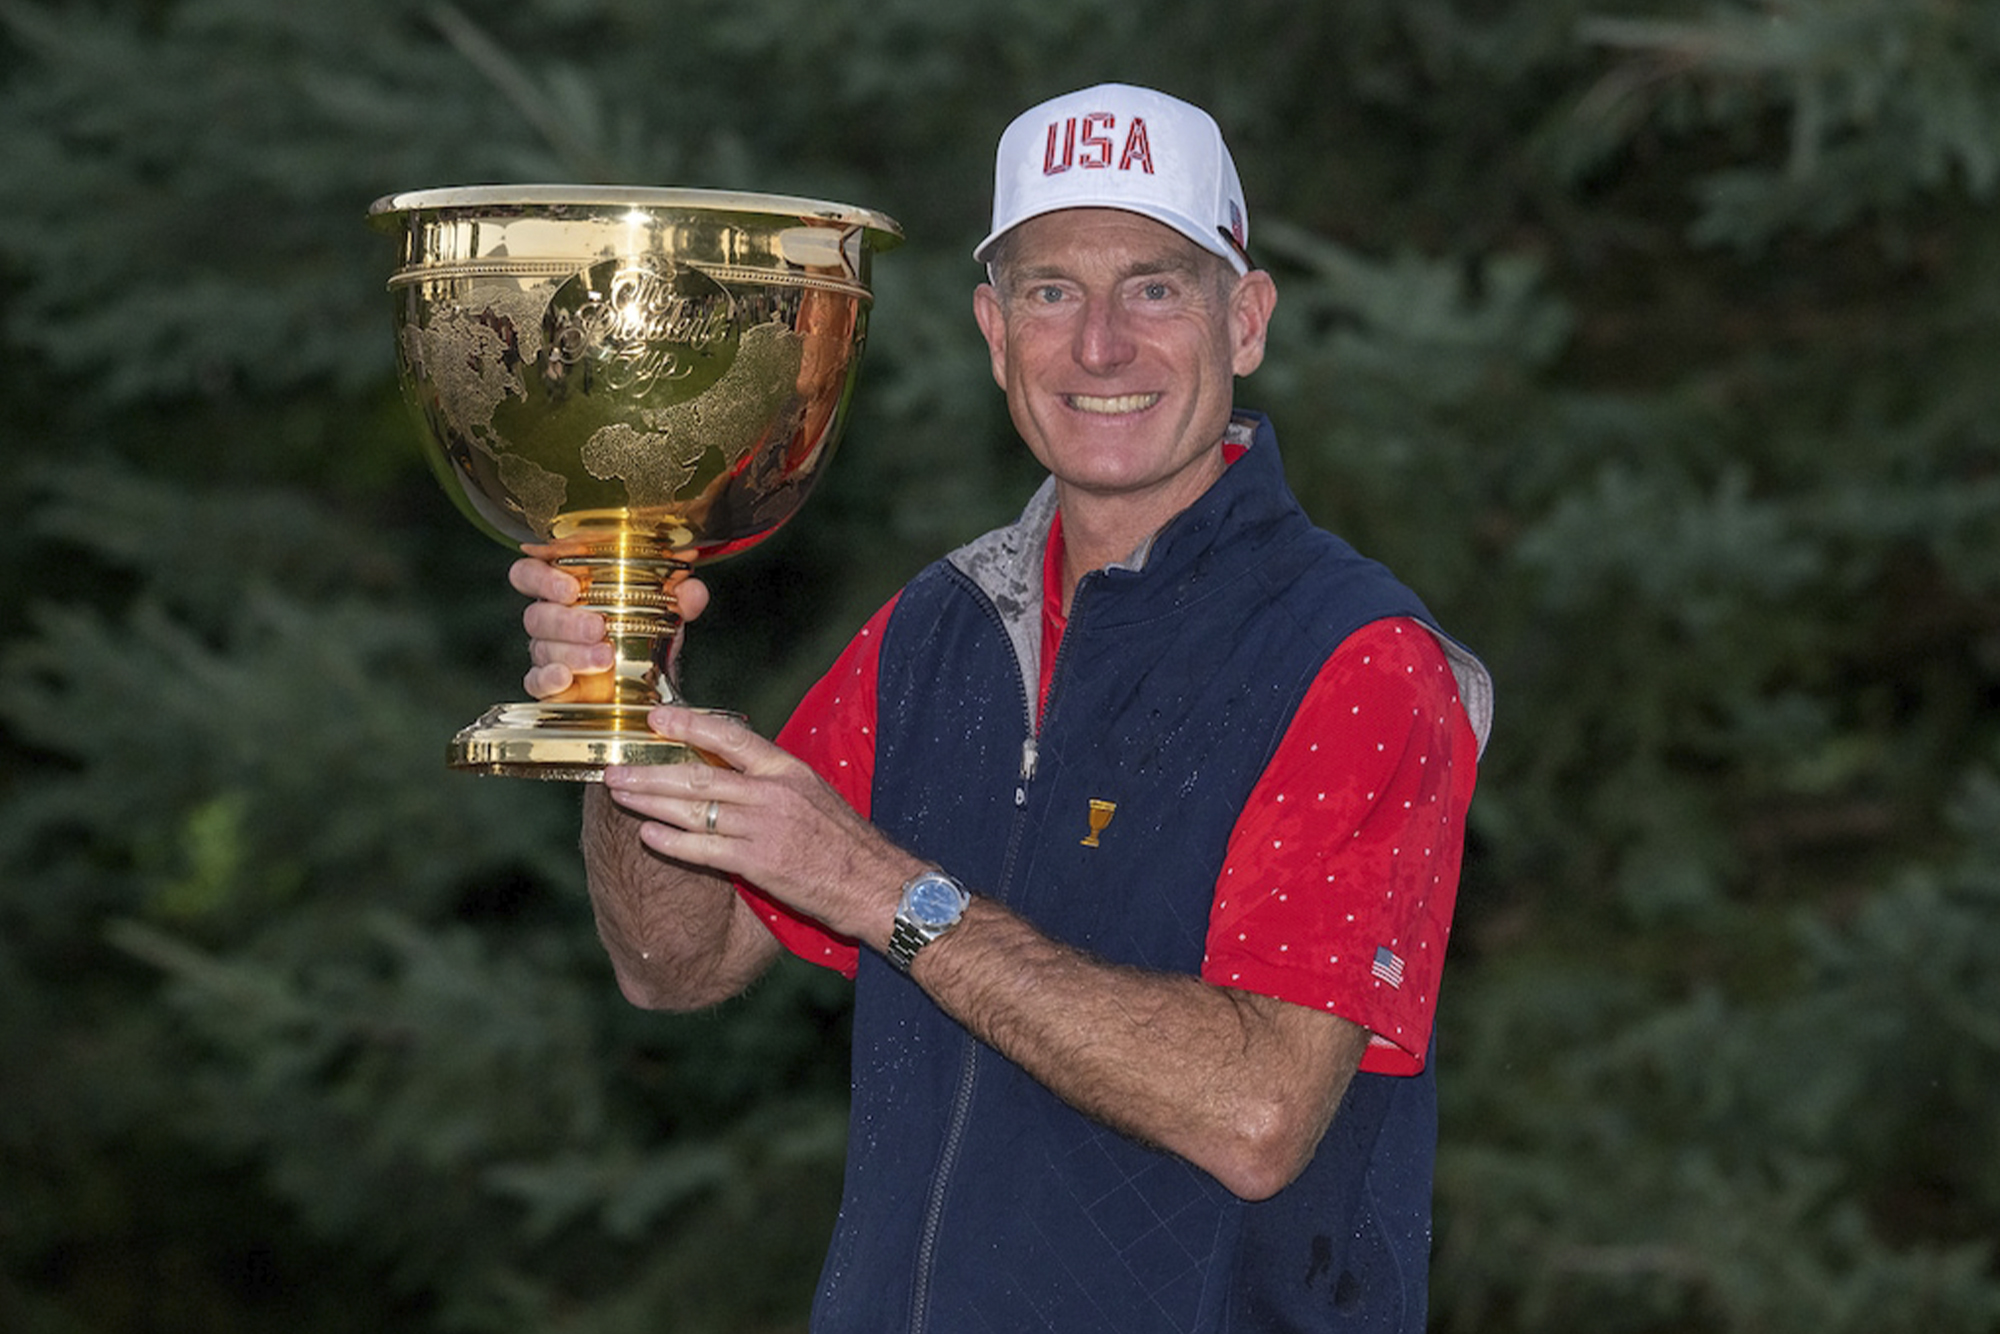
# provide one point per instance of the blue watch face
(935, 902)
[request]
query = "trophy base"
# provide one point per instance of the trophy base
(570, 743)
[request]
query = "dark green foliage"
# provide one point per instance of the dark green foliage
(1653, 342)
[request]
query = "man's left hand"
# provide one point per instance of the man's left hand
(768, 819)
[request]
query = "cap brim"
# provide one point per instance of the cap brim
(1210, 239)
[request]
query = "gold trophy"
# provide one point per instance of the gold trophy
(644, 380)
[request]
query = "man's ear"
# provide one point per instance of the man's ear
(992, 321)
(1250, 306)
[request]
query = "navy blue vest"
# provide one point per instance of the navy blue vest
(976, 1200)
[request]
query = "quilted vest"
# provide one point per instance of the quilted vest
(975, 1200)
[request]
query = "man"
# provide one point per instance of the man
(1137, 823)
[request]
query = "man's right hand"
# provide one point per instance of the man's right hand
(566, 641)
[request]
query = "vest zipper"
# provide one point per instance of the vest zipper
(968, 1076)
(961, 1111)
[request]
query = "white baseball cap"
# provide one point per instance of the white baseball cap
(1117, 146)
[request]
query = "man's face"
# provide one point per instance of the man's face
(1118, 342)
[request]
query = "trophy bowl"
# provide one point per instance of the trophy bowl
(642, 380)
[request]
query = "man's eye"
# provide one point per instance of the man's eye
(1048, 294)
(1156, 291)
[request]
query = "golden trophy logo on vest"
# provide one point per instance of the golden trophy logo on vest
(1100, 816)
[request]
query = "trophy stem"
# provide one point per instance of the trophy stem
(641, 621)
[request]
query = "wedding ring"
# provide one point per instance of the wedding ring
(714, 809)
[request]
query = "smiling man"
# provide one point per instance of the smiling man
(1137, 822)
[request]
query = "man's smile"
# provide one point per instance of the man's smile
(1110, 407)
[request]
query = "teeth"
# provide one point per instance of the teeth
(1113, 406)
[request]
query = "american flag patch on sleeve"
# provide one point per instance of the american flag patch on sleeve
(1388, 966)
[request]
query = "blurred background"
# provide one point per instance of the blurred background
(1657, 344)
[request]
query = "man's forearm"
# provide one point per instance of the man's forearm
(1241, 1085)
(679, 937)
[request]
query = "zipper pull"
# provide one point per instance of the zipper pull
(1029, 755)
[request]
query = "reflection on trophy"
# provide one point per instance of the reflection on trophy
(645, 380)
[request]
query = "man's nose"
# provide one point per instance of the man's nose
(1103, 337)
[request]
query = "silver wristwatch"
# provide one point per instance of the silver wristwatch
(932, 904)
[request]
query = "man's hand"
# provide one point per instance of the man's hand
(566, 643)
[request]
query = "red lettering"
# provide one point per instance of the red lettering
(1096, 146)
(1137, 148)
(1050, 166)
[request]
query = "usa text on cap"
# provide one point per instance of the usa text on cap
(1118, 146)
